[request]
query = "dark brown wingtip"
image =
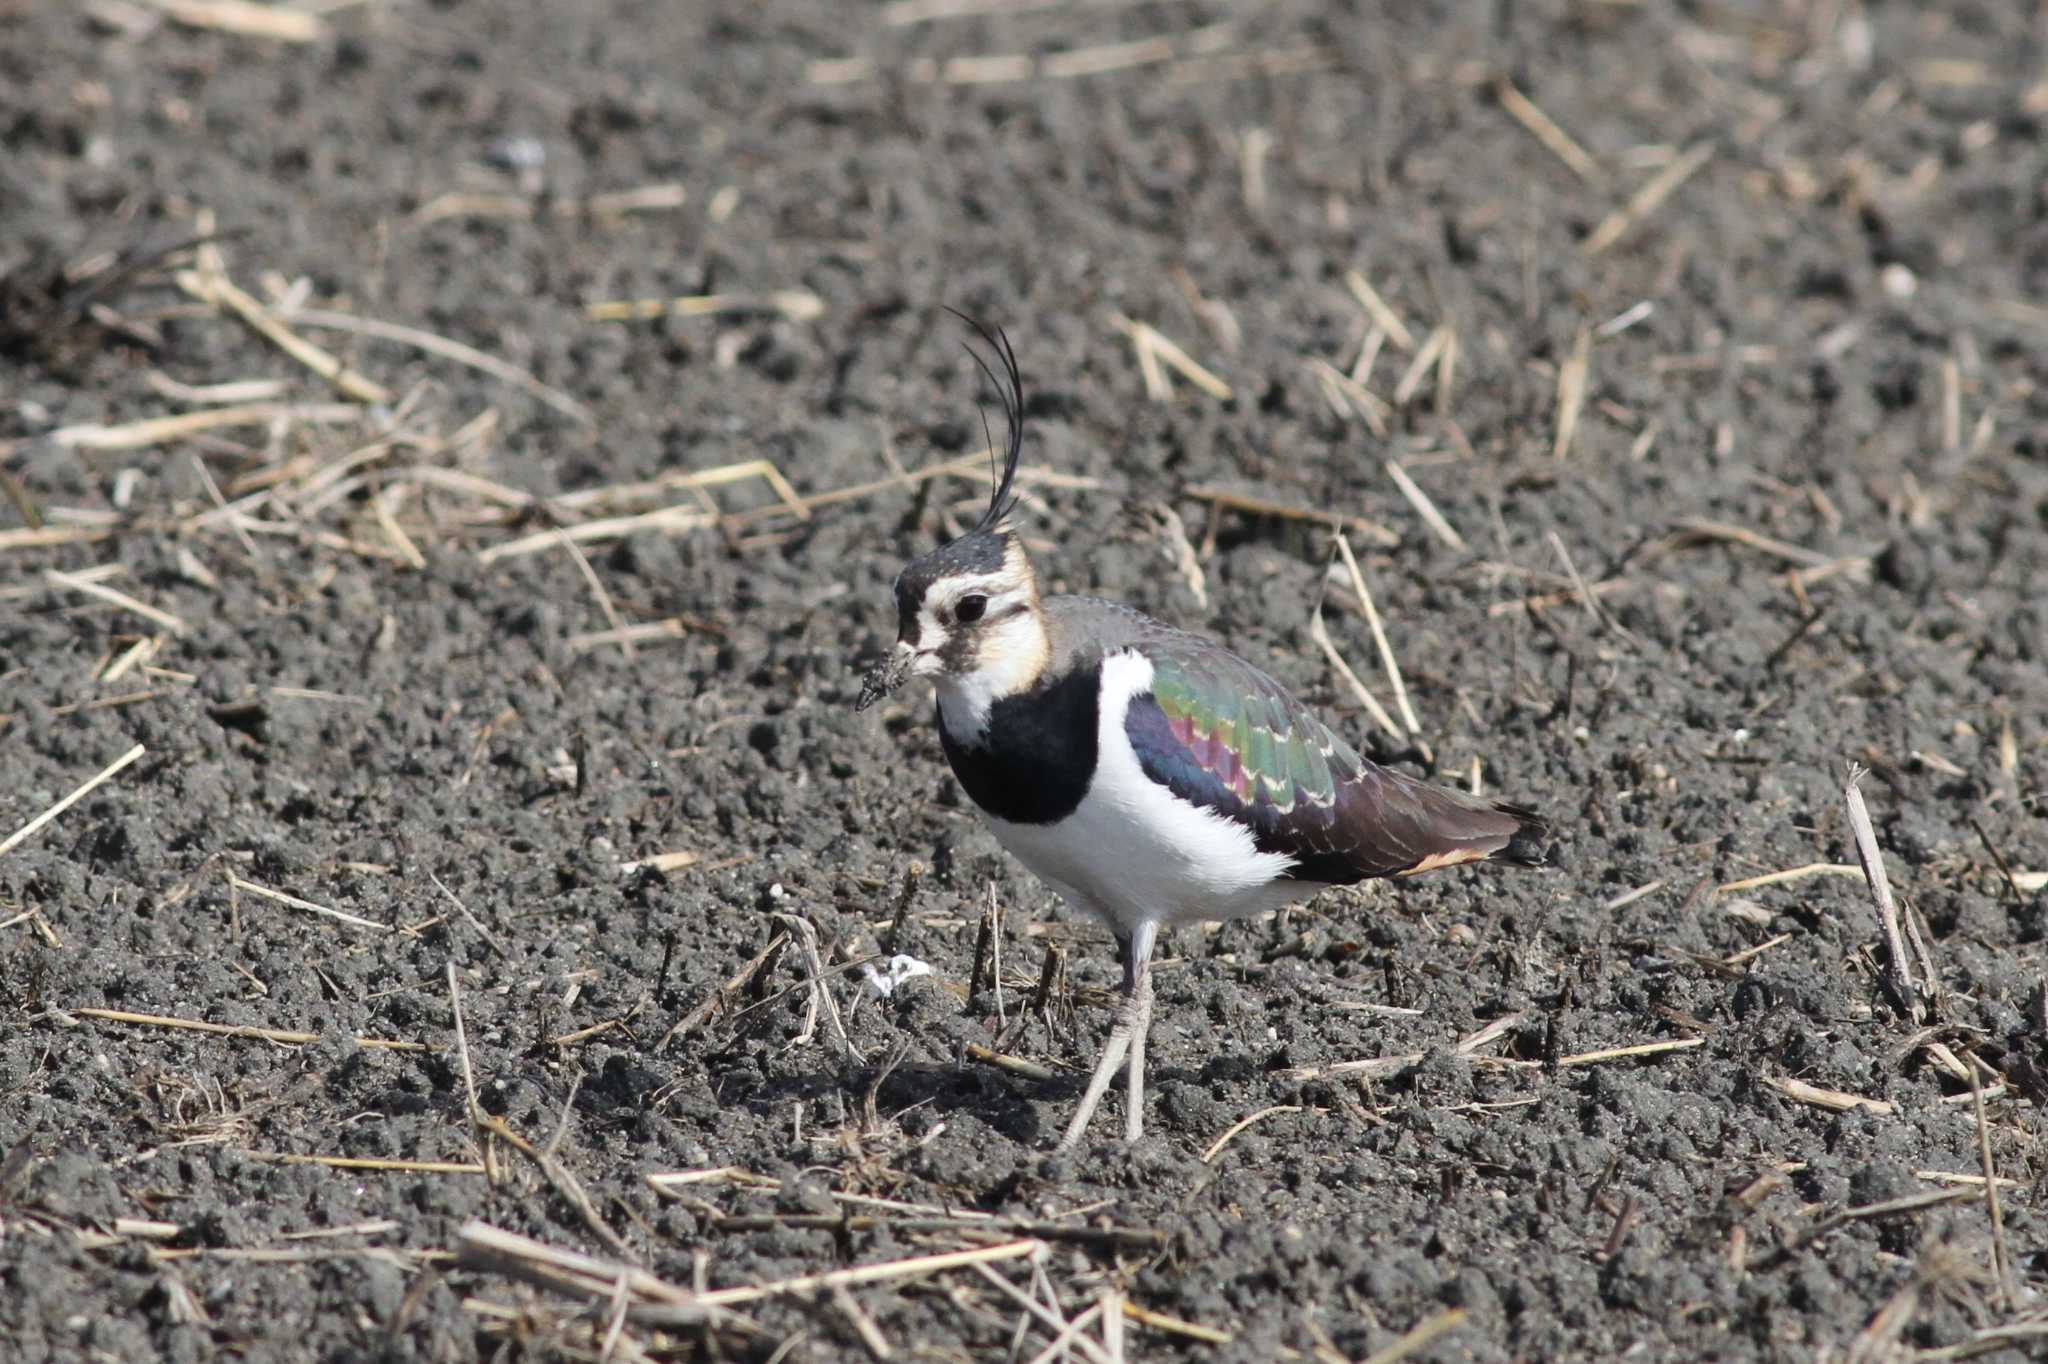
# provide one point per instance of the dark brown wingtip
(1466, 830)
(1530, 844)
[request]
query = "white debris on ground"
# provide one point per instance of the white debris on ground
(901, 968)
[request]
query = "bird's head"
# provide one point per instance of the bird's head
(967, 614)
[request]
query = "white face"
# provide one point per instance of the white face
(975, 627)
(994, 646)
(967, 625)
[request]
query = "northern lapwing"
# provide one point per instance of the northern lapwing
(1150, 776)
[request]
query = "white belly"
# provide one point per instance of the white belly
(1133, 851)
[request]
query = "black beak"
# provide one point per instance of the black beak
(885, 677)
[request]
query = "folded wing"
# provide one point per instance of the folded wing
(1222, 735)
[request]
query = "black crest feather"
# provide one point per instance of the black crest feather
(1010, 391)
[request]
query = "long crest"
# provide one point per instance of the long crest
(1009, 387)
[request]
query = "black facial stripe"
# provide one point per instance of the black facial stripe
(907, 598)
(957, 653)
(978, 554)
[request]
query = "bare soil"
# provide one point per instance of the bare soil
(1742, 486)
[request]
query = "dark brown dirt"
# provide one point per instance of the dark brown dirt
(1843, 352)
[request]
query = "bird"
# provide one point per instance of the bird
(1147, 774)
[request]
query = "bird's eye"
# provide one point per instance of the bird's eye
(968, 609)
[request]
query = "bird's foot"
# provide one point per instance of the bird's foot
(1124, 1049)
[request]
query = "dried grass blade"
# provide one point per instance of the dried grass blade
(1419, 367)
(798, 305)
(1320, 633)
(1418, 1336)
(1151, 341)
(280, 23)
(1648, 199)
(219, 289)
(1425, 507)
(1774, 878)
(1377, 309)
(1215, 1147)
(449, 349)
(1743, 535)
(46, 537)
(1556, 140)
(1259, 506)
(137, 435)
(666, 521)
(1908, 995)
(1834, 1100)
(1592, 1058)
(28, 830)
(283, 1036)
(1571, 391)
(377, 1163)
(1175, 1326)
(1349, 397)
(280, 897)
(885, 1272)
(72, 582)
(1386, 650)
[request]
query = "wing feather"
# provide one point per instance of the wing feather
(1222, 735)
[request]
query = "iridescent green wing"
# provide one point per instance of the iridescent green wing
(1223, 736)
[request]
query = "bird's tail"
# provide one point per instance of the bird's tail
(1449, 828)
(1529, 844)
